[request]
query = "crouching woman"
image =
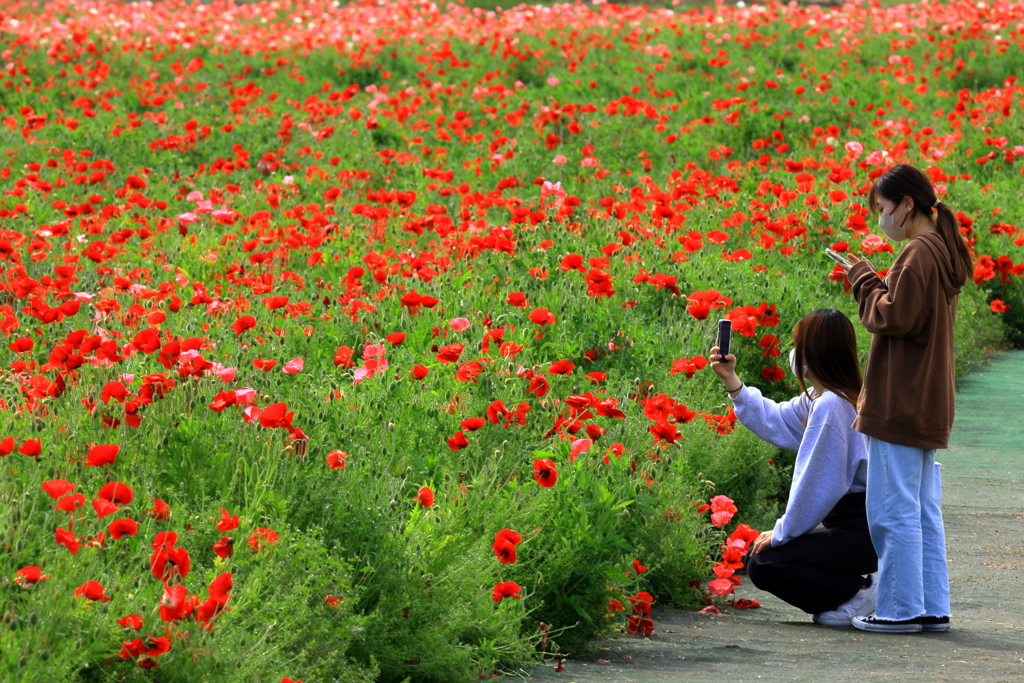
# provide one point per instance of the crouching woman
(819, 557)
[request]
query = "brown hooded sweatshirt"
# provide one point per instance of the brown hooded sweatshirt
(907, 398)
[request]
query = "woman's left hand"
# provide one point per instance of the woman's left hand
(761, 542)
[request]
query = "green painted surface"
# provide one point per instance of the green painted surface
(983, 505)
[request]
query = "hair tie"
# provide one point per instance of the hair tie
(937, 202)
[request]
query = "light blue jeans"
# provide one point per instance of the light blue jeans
(904, 499)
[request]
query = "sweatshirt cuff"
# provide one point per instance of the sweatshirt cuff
(860, 275)
(740, 397)
(777, 533)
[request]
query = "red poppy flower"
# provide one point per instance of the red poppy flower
(539, 386)
(615, 606)
(160, 510)
(505, 542)
(167, 563)
(29, 574)
(175, 605)
(132, 621)
(641, 602)
(276, 415)
(245, 322)
(56, 488)
(31, 448)
(471, 424)
(640, 626)
(104, 454)
(638, 568)
(264, 364)
(495, 411)
(541, 317)
(343, 357)
(721, 586)
(458, 441)
(425, 497)
(336, 459)
(998, 306)
(745, 533)
(722, 510)
(103, 507)
(262, 539)
(122, 527)
(113, 390)
(7, 446)
(70, 503)
(665, 431)
(420, 371)
(92, 590)
(224, 547)
(505, 589)
(116, 492)
(572, 262)
(746, 603)
(66, 538)
(510, 349)
(517, 299)
(544, 472)
(561, 367)
(21, 345)
(449, 353)
(138, 649)
(294, 366)
(220, 586)
(773, 373)
(227, 522)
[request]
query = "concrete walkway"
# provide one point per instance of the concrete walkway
(983, 505)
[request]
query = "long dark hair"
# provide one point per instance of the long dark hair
(904, 180)
(826, 343)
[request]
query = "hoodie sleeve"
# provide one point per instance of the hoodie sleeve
(896, 311)
(820, 478)
(780, 424)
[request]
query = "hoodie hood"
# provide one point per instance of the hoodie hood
(937, 245)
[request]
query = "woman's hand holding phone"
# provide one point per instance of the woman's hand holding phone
(851, 259)
(725, 368)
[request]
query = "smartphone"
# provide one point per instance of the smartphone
(724, 334)
(837, 257)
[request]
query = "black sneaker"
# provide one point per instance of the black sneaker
(877, 625)
(935, 624)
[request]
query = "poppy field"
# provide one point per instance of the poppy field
(368, 341)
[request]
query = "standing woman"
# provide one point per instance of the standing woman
(906, 405)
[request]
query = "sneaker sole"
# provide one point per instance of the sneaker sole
(935, 628)
(877, 627)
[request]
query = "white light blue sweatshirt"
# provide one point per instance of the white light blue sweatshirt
(831, 458)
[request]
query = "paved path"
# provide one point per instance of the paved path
(983, 504)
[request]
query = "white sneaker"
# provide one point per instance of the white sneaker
(861, 604)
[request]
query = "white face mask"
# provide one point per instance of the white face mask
(792, 364)
(887, 224)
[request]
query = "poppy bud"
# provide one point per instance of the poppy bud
(263, 460)
(393, 502)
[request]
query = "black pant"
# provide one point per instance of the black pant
(825, 567)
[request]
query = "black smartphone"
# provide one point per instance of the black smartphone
(724, 334)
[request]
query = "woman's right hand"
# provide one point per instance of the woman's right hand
(724, 368)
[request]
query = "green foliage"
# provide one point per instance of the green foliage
(365, 583)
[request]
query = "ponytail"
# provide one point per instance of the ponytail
(956, 245)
